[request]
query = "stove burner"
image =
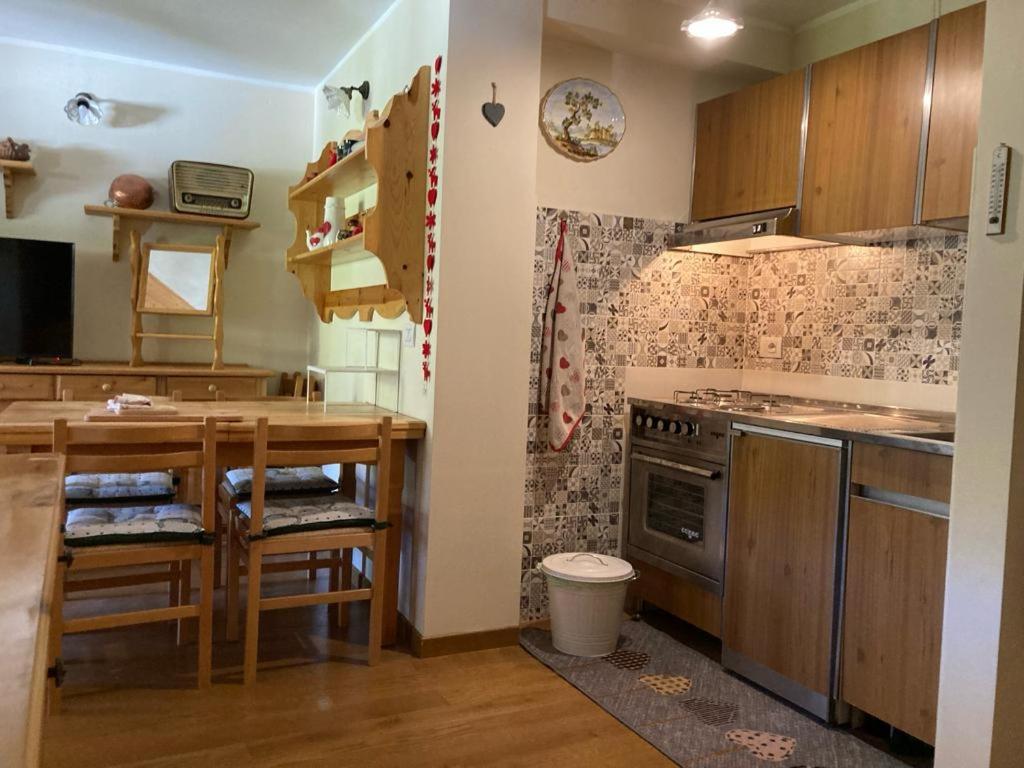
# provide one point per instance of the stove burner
(737, 400)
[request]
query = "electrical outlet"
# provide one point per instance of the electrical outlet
(409, 335)
(770, 347)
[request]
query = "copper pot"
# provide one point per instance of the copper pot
(131, 191)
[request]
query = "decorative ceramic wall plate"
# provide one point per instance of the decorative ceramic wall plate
(582, 119)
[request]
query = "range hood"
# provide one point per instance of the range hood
(775, 230)
(745, 235)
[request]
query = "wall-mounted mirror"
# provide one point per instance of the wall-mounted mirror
(176, 279)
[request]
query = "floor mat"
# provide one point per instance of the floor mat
(697, 714)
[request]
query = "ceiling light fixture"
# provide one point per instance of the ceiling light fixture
(713, 23)
(339, 99)
(84, 109)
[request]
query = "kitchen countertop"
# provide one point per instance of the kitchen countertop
(897, 427)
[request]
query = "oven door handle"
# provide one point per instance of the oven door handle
(710, 474)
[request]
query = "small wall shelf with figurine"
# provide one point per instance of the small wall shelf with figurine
(11, 169)
(394, 158)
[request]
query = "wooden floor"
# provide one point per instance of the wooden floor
(129, 701)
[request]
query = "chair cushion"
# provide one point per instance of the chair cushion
(120, 525)
(291, 515)
(283, 480)
(144, 486)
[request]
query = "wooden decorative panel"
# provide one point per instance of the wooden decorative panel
(892, 623)
(748, 149)
(956, 104)
(780, 561)
(913, 473)
(864, 136)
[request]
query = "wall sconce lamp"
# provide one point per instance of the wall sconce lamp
(339, 99)
(84, 109)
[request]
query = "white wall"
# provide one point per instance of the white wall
(159, 115)
(649, 173)
(483, 339)
(981, 685)
(411, 34)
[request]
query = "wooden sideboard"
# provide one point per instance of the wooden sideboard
(99, 381)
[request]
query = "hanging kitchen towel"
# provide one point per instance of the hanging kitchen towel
(561, 352)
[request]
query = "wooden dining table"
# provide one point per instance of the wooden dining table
(30, 517)
(26, 426)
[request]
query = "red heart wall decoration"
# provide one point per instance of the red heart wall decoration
(430, 220)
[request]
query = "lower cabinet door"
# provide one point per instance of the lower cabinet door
(780, 556)
(892, 614)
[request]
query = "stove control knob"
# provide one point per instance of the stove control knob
(675, 428)
(662, 425)
(639, 419)
(689, 428)
(650, 422)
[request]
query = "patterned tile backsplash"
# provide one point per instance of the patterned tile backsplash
(891, 313)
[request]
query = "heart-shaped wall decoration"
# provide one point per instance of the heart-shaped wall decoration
(493, 112)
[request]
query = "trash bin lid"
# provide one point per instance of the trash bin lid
(584, 566)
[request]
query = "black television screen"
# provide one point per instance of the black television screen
(37, 299)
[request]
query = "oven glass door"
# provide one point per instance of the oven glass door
(677, 512)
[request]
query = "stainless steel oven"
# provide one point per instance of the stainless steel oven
(677, 494)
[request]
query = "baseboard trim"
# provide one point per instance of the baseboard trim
(446, 645)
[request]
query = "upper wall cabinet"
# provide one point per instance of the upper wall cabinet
(747, 155)
(864, 136)
(956, 103)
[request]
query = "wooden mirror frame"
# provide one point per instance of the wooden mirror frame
(140, 304)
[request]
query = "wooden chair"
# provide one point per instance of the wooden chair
(92, 542)
(228, 494)
(264, 527)
(105, 489)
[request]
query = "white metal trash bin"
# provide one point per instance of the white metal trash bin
(586, 594)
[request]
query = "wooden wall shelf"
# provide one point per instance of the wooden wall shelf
(11, 169)
(353, 173)
(342, 252)
(394, 158)
(149, 216)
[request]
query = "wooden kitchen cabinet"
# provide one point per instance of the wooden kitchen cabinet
(956, 104)
(864, 135)
(781, 556)
(747, 153)
(892, 616)
(895, 584)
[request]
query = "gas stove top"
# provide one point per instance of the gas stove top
(696, 422)
(734, 400)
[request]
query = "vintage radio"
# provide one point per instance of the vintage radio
(210, 189)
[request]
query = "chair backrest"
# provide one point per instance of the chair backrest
(142, 447)
(319, 444)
